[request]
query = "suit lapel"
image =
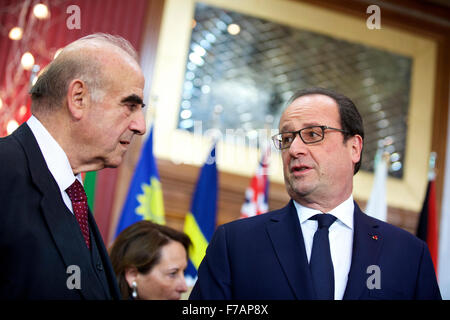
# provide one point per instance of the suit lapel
(367, 243)
(287, 240)
(61, 223)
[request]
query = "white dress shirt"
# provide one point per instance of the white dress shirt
(56, 159)
(341, 240)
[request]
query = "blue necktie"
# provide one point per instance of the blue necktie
(320, 264)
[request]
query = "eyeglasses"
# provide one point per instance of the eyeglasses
(308, 135)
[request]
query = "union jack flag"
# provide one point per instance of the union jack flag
(257, 193)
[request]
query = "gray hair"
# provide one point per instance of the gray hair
(51, 86)
(114, 40)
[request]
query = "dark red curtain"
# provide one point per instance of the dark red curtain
(124, 18)
(43, 39)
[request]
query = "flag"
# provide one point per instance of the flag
(145, 199)
(444, 234)
(89, 184)
(200, 222)
(427, 229)
(377, 205)
(257, 193)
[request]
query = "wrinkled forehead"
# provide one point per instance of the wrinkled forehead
(312, 109)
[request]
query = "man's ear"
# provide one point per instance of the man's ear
(131, 275)
(77, 94)
(357, 145)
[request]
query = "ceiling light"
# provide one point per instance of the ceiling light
(233, 29)
(11, 126)
(22, 111)
(40, 11)
(27, 61)
(15, 33)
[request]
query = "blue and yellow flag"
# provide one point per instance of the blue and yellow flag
(145, 199)
(201, 220)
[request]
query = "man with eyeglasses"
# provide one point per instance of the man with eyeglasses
(321, 245)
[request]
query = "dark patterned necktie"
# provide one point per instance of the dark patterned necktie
(80, 208)
(320, 264)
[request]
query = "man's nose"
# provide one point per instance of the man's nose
(137, 124)
(297, 146)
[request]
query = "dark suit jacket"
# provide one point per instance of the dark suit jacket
(264, 257)
(39, 236)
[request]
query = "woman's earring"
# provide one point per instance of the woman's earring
(134, 292)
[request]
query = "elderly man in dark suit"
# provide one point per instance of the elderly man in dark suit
(321, 245)
(86, 107)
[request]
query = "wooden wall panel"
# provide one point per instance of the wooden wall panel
(178, 182)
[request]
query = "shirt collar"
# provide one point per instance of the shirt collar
(343, 212)
(55, 157)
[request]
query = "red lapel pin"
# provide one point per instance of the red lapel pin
(374, 237)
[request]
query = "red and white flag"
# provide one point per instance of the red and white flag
(257, 194)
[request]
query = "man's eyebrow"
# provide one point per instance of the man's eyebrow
(134, 98)
(285, 128)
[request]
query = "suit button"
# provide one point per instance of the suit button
(99, 266)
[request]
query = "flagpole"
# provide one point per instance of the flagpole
(200, 221)
(432, 166)
(216, 122)
(427, 228)
(377, 203)
(267, 127)
(433, 230)
(444, 228)
(256, 194)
